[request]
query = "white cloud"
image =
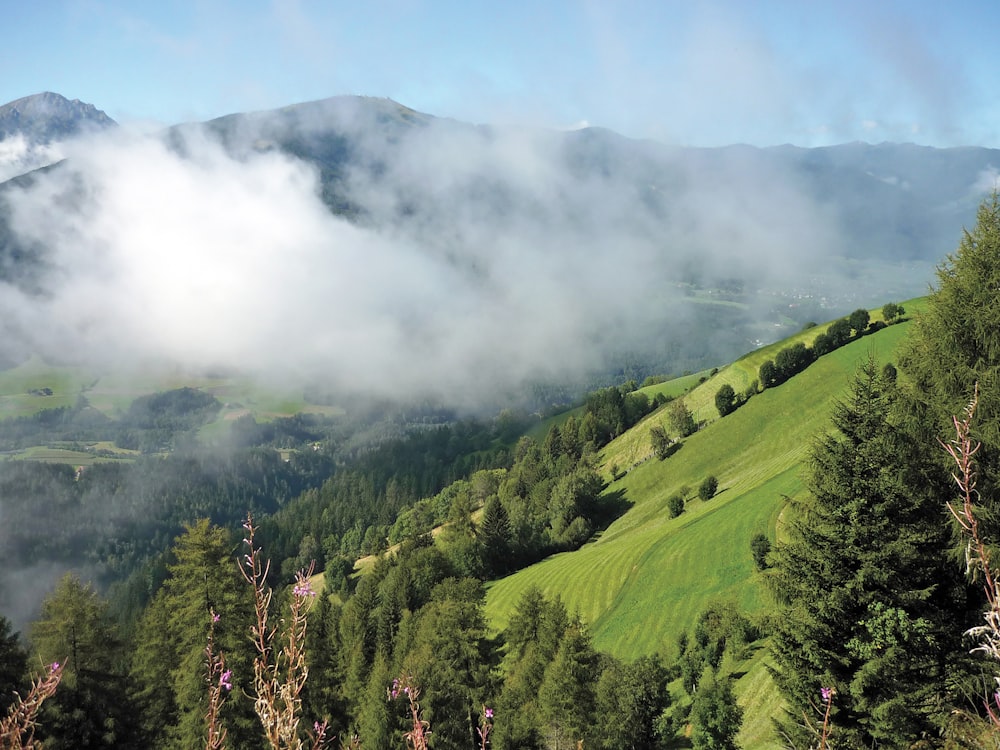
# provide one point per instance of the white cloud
(18, 156)
(492, 264)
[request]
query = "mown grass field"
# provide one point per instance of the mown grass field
(648, 576)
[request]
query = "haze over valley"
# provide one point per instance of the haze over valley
(345, 242)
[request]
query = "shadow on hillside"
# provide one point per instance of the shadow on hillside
(611, 506)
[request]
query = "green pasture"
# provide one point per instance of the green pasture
(56, 455)
(113, 393)
(646, 578)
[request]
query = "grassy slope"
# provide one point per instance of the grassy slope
(648, 576)
(113, 393)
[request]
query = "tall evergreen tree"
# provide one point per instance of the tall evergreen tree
(91, 708)
(169, 663)
(567, 698)
(955, 345)
(868, 596)
(13, 665)
(630, 698)
(447, 660)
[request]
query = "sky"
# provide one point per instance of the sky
(682, 72)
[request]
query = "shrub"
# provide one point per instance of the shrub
(708, 488)
(760, 546)
(675, 505)
(725, 400)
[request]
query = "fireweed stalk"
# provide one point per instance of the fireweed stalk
(219, 683)
(279, 676)
(485, 727)
(416, 738)
(963, 449)
(17, 728)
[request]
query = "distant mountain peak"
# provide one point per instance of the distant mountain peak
(48, 116)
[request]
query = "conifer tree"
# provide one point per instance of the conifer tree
(13, 665)
(567, 697)
(169, 661)
(91, 708)
(955, 345)
(533, 636)
(867, 593)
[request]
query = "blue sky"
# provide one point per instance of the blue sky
(692, 73)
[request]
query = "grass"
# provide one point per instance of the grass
(648, 576)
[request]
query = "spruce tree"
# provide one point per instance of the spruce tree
(865, 586)
(955, 345)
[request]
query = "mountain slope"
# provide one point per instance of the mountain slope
(42, 118)
(646, 579)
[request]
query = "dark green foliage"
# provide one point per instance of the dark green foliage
(567, 699)
(867, 549)
(708, 488)
(891, 311)
(769, 374)
(168, 665)
(533, 636)
(675, 505)
(680, 418)
(714, 714)
(448, 642)
(760, 547)
(152, 421)
(13, 665)
(792, 360)
(630, 699)
(858, 321)
(822, 344)
(955, 345)
(613, 410)
(92, 706)
(664, 446)
(725, 400)
(550, 504)
(495, 537)
(839, 332)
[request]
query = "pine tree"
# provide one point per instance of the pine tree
(866, 589)
(445, 660)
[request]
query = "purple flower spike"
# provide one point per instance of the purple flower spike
(826, 693)
(226, 679)
(488, 712)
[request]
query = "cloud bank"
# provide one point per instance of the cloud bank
(479, 260)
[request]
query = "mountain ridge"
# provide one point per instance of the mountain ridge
(49, 116)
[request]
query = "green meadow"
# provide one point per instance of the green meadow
(646, 578)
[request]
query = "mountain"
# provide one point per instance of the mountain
(46, 117)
